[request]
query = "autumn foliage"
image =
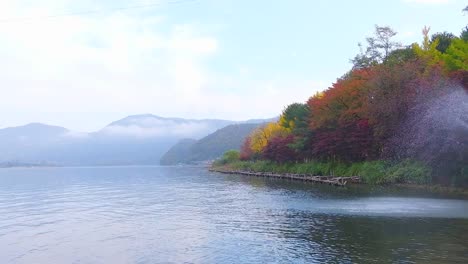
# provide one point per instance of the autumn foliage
(369, 112)
(278, 149)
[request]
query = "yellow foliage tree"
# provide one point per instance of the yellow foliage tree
(261, 136)
(428, 51)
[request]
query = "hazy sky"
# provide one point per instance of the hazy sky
(230, 59)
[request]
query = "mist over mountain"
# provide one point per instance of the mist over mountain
(27, 143)
(147, 126)
(133, 140)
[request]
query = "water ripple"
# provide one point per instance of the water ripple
(186, 215)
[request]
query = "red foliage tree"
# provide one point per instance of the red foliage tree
(352, 141)
(246, 152)
(340, 119)
(278, 150)
(345, 101)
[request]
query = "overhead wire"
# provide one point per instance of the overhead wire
(90, 12)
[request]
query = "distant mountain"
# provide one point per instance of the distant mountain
(209, 147)
(134, 140)
(24, 143)
(31, 131)
(179, 153)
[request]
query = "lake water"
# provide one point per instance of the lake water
(188, 215)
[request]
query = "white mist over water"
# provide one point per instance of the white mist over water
(395, 207)
(436, 131)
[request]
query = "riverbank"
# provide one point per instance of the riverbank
(330, 180)
(371, 172)
(405, 175)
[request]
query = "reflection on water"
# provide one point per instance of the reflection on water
(157, 214)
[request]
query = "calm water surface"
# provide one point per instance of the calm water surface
(188, 215)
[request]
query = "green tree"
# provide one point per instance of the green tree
(428, 51)
(400, 56)
(443, 39)
(464, 34)
(456, 57)
(230, 156)
(295, 118)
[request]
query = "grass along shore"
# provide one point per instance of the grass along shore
(371, 172)
(402, 175)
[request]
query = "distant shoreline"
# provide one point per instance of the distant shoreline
(100, 166)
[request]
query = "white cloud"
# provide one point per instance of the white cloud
(124, 62)
(97, 63)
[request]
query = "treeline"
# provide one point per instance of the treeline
(397, 105)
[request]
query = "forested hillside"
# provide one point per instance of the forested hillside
(209, 147)
(399, 115)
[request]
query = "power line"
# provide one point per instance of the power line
(89, 12)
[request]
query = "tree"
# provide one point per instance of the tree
(278, 149)
(345, 101)
(396, 103)
(397, 90)
(456, 57)
(435, 133)
(378, 48)
(246, 152)
(443, 39)
(350, 141)
(230, 156)
(390, 97)
(340, 119)
(261, 136)
(400, 56)
(464, 34)
(428, 51)
(295, 118)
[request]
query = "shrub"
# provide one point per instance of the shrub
(229, 156)
(371, 172)
(409, 171)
